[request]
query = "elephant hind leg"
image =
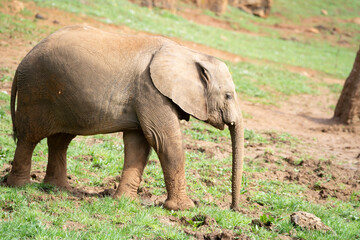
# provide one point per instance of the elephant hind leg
(137, 151)
(56, 168)
(21, 166)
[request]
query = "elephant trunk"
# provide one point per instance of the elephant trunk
(237, 138)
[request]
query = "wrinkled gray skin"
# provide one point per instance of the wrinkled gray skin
(83, 81)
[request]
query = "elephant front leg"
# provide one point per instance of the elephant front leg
(172, 160)
(137, 151)
(168, 144)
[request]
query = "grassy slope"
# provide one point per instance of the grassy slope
(39, 211)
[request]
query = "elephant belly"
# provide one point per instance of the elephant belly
(96, 118)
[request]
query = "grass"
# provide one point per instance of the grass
(337, 9)
(97, 219)
(268, 84)
(5, 74)
(14, 26)
(335, 217)
(39, 211)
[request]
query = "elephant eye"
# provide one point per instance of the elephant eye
(228, 96)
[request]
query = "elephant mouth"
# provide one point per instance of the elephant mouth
(221, 126)
(226, 121)
(216, 122)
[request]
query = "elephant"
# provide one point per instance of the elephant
(84, 81)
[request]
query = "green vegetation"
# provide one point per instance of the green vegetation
(337, 9)
(39, 211)
(268, 84)
(13, 26)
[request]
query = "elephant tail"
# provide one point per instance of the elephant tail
(12, 105)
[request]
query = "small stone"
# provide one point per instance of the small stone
(356, 20)
(324, 12)
(308, 221)
(39, 16)
(313, 30)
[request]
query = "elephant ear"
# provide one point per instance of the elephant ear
(179, 75)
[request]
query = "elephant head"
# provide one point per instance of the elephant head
(202, 86)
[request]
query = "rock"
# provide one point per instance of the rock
(356, 20)
(39, 16)
(313, 30)
(324, 12)
(308, 221)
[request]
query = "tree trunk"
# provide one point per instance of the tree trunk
(348, 106)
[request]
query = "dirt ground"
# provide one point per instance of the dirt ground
(307, 117)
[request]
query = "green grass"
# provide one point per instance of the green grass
(22, 25)
(335, 214)
(339, 9)
(335, 88)
(268, 84)
(15, 24)
(98, 219)
(5, 74)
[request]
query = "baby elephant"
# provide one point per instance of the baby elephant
(84, 81)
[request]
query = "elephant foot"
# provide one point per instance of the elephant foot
(126, 193)
(179, 204)
(129, 185)
(62, 184)
(17, 181)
